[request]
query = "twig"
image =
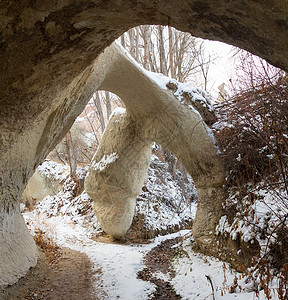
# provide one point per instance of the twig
(212, 287)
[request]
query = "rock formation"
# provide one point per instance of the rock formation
(47, 55)
(37, 188)
(117, 173)
(153, 113)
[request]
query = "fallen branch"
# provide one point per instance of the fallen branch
(212, 287)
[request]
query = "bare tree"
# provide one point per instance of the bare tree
(108, 104)
(252, 72)
(204, 62)
(97, 102)
(169, 51)
(137, 44)
(145, 36)
(71, 155)
(171, 61)
(162, 56)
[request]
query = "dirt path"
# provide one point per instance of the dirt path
(70, 275)
(70, 278)
(159, 259)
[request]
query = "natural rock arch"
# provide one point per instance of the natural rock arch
(47, 51)
(118, 169)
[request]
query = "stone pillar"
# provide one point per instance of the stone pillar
(117, 173)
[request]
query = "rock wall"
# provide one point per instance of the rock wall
(47, 52)
(18, 253)
(44, 47)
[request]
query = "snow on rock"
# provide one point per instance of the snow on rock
(180, 88)
(104, 162)
(54, 171)
(195, 98)
(117, 111)
(182, 91)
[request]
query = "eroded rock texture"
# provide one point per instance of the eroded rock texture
(117, 173)
(17, 249)
(47, 52)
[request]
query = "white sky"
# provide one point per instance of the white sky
(221, 69)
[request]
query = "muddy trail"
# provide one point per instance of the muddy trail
(68, 274)
(159, 259)
(70, 277)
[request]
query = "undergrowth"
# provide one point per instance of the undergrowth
(252, 132)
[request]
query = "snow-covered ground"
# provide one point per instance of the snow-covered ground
(71, 223)
(194, 270)
(119, 264)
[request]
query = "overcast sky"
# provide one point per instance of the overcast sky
(221, 69)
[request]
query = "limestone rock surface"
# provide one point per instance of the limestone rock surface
(18, 253)
(38, 188)
(117, 173)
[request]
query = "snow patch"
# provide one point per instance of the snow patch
(196, 94)
(264, 214)
(166, 201)
(104, 162)
(117, 111)
(53, 170)
(192, 272)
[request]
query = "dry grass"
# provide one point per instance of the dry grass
(48, 246)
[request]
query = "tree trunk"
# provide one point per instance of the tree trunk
(171, 52)
(146, 51)
(132, 42)
(137, 44)
(71, 155)
(97, 103)
(163, 63)
(108, 104)
(180, 58)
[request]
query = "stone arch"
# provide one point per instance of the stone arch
(47, 54)
(152, 113)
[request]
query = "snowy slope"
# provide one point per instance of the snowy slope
(162, 205)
